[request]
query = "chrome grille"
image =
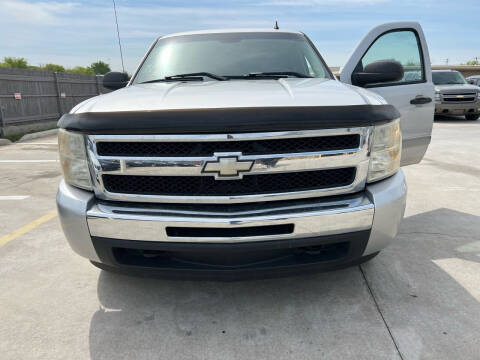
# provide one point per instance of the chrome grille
(250, 184)
(459, 98)
(148, 168)
(246, 147)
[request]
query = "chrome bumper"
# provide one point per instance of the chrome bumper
(458, 108)
(379, 208)
(309, 218)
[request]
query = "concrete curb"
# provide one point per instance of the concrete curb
(5, 142)
(37, 135)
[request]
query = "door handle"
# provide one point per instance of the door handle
(419, 100)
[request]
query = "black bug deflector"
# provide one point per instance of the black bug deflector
(224, 120)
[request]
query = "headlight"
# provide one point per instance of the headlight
(437, 96)
(73, 159)
(386, 151)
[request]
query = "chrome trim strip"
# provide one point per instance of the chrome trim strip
(310, 218)
(225, 137)
(261, 163)
(192, 166)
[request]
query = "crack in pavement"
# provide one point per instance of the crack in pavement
(380, 312)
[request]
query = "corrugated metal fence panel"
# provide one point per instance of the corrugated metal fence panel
(45, 95)
(37, 89)
(76, 88)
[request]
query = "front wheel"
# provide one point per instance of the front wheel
(472, 116)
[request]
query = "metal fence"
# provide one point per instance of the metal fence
(35, 100)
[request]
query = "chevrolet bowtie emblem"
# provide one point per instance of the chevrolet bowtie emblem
(227, 167)
(460, 96)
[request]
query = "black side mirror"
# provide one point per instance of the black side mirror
(471, 81)
(115, 80)
(378, 72)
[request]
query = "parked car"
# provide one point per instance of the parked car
(237, 153)
(474, 80)
(454, 95)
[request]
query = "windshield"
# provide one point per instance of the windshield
(232, 54)
(448, 77)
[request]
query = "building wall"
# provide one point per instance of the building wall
(466, 70)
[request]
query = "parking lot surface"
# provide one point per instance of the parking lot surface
(418, 299)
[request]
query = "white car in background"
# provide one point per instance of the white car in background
(474, 80)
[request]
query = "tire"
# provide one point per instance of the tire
(472, 116)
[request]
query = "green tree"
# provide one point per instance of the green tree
(13, 62)
(473, 62)
(80, 70)
(100, 68)
(411, 63)
(53, 67)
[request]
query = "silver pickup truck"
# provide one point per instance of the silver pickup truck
(237, 153)
(454, 95)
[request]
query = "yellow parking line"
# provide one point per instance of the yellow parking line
(28, 227)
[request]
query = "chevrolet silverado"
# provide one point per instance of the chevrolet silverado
(237, 153)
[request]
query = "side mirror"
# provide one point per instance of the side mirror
(471, 81)
(115, 80)
(378, 72)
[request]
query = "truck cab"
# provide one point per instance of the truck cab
(237, 153)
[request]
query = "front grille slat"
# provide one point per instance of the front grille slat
(249, 185)
(246, 147)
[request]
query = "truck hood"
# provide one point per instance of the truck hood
(456, 88)
(229, 94)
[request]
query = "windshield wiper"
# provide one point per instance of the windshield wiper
(198, 76)
(276, 74)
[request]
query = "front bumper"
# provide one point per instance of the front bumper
(324, 232)
(457, 109)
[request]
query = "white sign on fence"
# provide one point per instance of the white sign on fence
(63, 95)
(18, 96)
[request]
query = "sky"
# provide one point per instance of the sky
(80, 32)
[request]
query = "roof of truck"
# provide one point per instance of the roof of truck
(220, 31)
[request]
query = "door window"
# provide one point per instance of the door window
(402, 46)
